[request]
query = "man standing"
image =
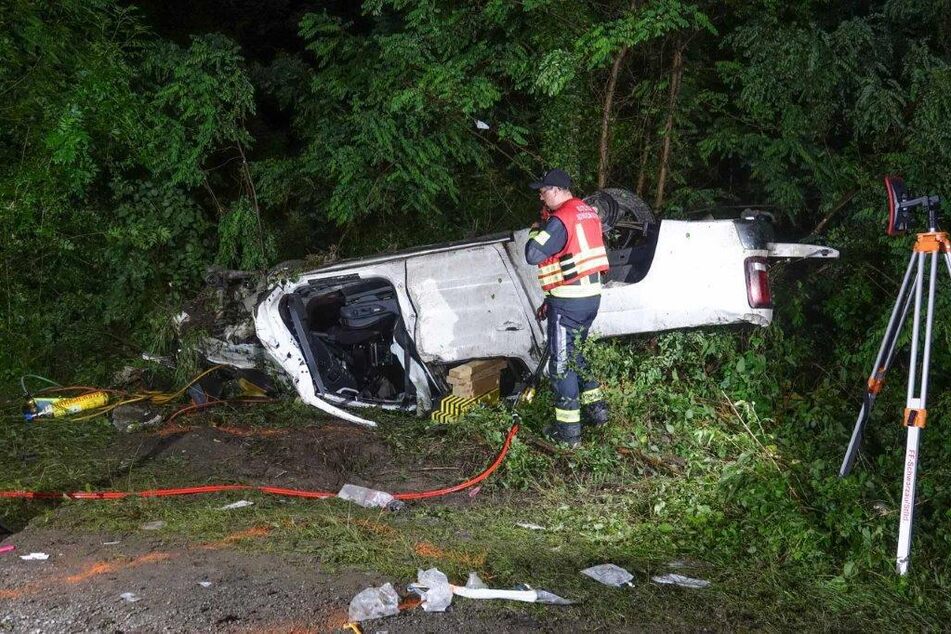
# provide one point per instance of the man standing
(570, 255)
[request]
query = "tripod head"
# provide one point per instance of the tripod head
(900, 206)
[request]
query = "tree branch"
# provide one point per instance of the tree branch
(603, 164)
(676, 72)
(836, 209)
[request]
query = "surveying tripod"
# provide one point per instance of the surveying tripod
(927, 248)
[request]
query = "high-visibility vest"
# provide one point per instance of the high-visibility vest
(565, 274)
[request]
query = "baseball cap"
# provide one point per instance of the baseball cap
(553, 178)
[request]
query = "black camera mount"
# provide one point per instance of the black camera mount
(900, 207)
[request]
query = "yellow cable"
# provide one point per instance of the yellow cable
(157, 397)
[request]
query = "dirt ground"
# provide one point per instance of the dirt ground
(179, 585)
(80, 588)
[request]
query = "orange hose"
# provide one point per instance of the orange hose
(221, 488)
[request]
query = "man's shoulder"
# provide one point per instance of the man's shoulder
(579, 209)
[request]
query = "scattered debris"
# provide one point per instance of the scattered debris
(154, 526)
(437, 594)
(369, 498)
(7, 548)
(246, 356)
(35, 557)
(240, 332)
(680, 580)
(126, 376)
(204, 584)
(432, 585)
(529, 526)
(474, 582)
(129, 597)
(374, 603)
(524, 595)
(154, 358)
(180, 319)
(481, 125)
(240, 504)
(135, 416)
(610, 575)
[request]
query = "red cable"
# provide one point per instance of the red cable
(219, 488)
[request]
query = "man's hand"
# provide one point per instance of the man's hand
(541, 313)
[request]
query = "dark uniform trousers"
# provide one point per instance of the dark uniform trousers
(569, 321)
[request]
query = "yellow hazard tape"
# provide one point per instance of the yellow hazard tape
(453, 407)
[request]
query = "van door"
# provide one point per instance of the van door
(469, 305)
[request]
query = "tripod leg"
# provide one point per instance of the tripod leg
(915, 415)
(882, 362)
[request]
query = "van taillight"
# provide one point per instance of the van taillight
(757, 283)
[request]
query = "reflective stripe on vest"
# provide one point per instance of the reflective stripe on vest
(583, 254)
(586, 288)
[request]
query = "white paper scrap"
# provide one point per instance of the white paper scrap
(609, 575)
(240, 504)
(680, 580)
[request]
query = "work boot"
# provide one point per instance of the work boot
(596, 414)
(567, 433)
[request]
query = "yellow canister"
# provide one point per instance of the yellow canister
(76, 404)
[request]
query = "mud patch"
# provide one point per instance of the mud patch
(318, 457)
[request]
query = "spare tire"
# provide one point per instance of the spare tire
(615, 205)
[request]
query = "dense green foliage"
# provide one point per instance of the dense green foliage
(131, 159)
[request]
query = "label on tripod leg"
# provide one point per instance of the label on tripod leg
(908, 485)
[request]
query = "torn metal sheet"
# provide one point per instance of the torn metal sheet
(246, 356)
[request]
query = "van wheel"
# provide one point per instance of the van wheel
(625, 217)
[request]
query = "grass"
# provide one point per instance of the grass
(598, 505)
(485, 538)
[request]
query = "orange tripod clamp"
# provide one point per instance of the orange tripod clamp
(915, 418)
(933, 242)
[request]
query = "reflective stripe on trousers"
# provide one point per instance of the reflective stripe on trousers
(568, 324)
